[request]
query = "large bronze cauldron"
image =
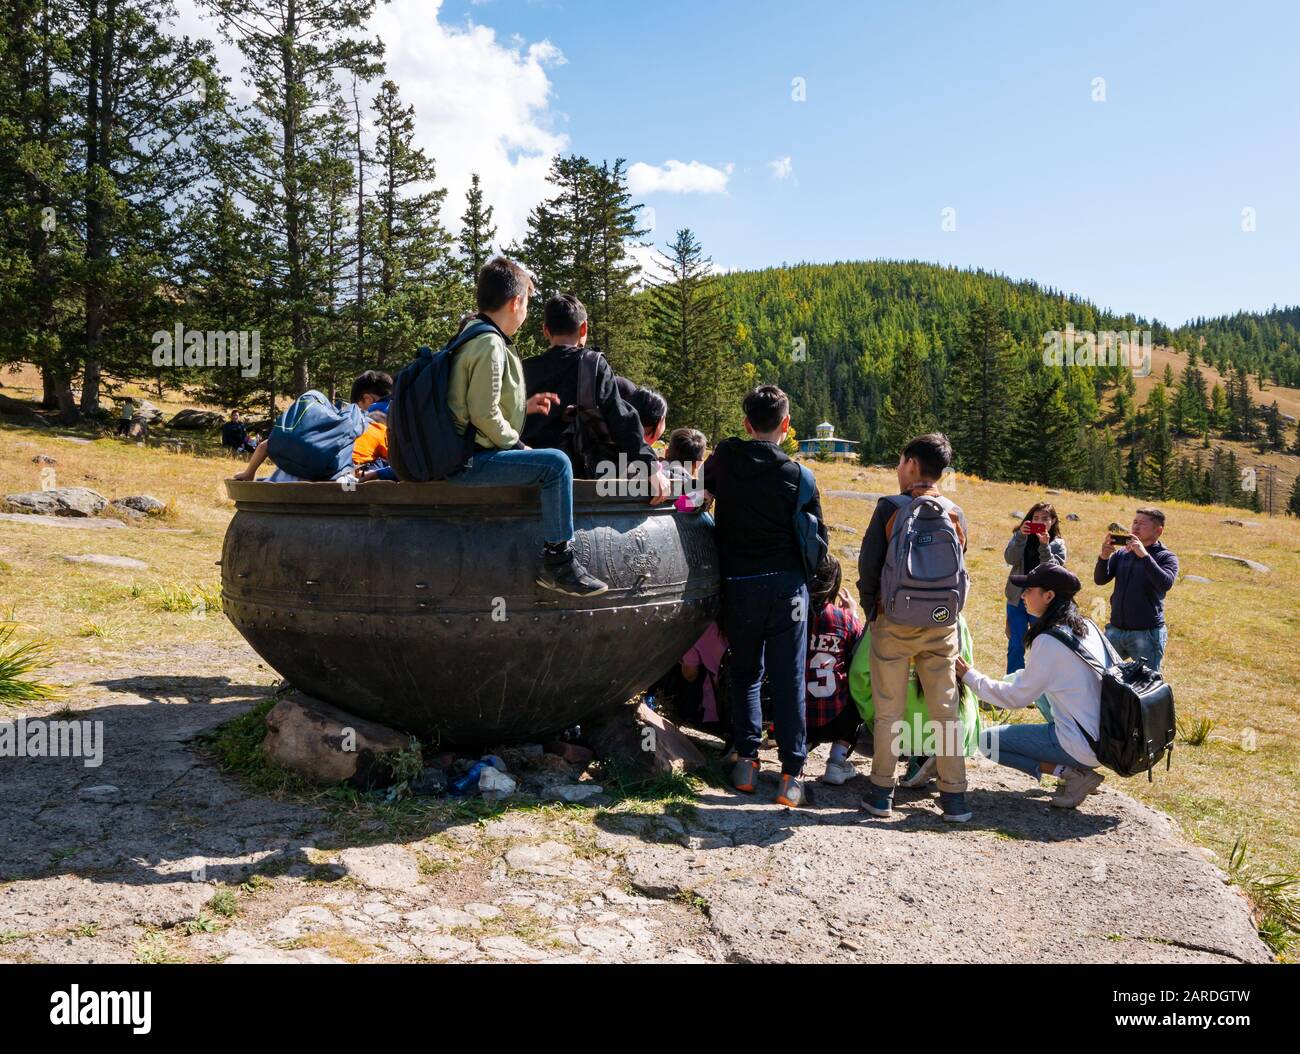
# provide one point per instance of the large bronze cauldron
(414, 604)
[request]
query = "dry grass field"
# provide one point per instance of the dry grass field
(1231, 641)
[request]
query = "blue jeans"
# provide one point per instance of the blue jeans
(765, 619)
(1145, 644)
(549, 469)
(1025, 747)
(1018, 622)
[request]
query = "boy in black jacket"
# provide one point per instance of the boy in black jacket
(764, 591)
(613, 427)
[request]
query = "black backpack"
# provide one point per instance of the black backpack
(1137, 725)
(586, 436)
(423, 443)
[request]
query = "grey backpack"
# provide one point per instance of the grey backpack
(924, 580)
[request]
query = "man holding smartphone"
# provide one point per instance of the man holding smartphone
(1143, 570)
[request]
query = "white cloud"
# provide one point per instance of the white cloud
(678, 177)
(782, 168)
(482, 104)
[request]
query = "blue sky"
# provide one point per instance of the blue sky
(986, 108)
(1134, 202)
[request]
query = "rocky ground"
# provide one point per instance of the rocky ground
(157, 855)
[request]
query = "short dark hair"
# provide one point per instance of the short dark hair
(686, 444)
(766, 407)
(564, 315)
(649, 405)
(932, 451)
(500, 281)
(372, 382)
(1152, 513)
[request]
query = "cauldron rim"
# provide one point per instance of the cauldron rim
(587, 496)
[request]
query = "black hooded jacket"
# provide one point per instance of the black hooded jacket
(756, 486)
(556, 370)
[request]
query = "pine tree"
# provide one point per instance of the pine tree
(1045, 435)
(694, 368)
(908, 409)
(1157, 446)
(292, 51)
(418, 291)
(983, 383)
(477, 232)
(1293, 506)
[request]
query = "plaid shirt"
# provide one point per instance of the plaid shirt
(832, 636)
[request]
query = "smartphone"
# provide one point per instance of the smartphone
(1120, 540)
(1039, 529)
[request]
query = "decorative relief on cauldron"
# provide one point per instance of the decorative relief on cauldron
(641, 562)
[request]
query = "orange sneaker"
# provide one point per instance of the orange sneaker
(791, 793)
(745, 774)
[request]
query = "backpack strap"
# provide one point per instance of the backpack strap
(475, 329)
(901, 503)
(1076, 646)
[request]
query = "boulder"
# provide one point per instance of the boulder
(145, 503)
(101, 560)
(34, 519)
(1252, 564)
(1019, 516)
(1072, 517)
(62, 501)
(313, 738)
(573, 753)
(146, 413)
(43, 459)
(20, 413)
(1241, 523)
(640, 737)
(1195, 578)
(196, 420)
(495, 785)
(574, 792)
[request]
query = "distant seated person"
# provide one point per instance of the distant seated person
(234, 435)
(590, 422)
(681, 463)
(370, 451)
(125, 416)
(834, 629)
(316, 438)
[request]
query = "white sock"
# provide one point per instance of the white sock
(839, 753)
(1059, 770)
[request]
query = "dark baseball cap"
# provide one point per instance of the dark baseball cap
(1058, 579)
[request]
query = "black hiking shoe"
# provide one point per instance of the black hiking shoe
(563, 573)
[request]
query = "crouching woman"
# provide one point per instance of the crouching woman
(1059, 747)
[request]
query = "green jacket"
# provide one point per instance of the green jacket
(486, 389)
(916, 714)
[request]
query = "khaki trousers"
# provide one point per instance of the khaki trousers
(934, 650)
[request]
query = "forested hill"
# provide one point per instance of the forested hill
(1267, 343)
(887, 349)
(856, 318)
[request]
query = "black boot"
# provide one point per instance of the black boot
(563, 573)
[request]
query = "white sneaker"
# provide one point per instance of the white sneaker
(1076, 785)
(839, 772)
